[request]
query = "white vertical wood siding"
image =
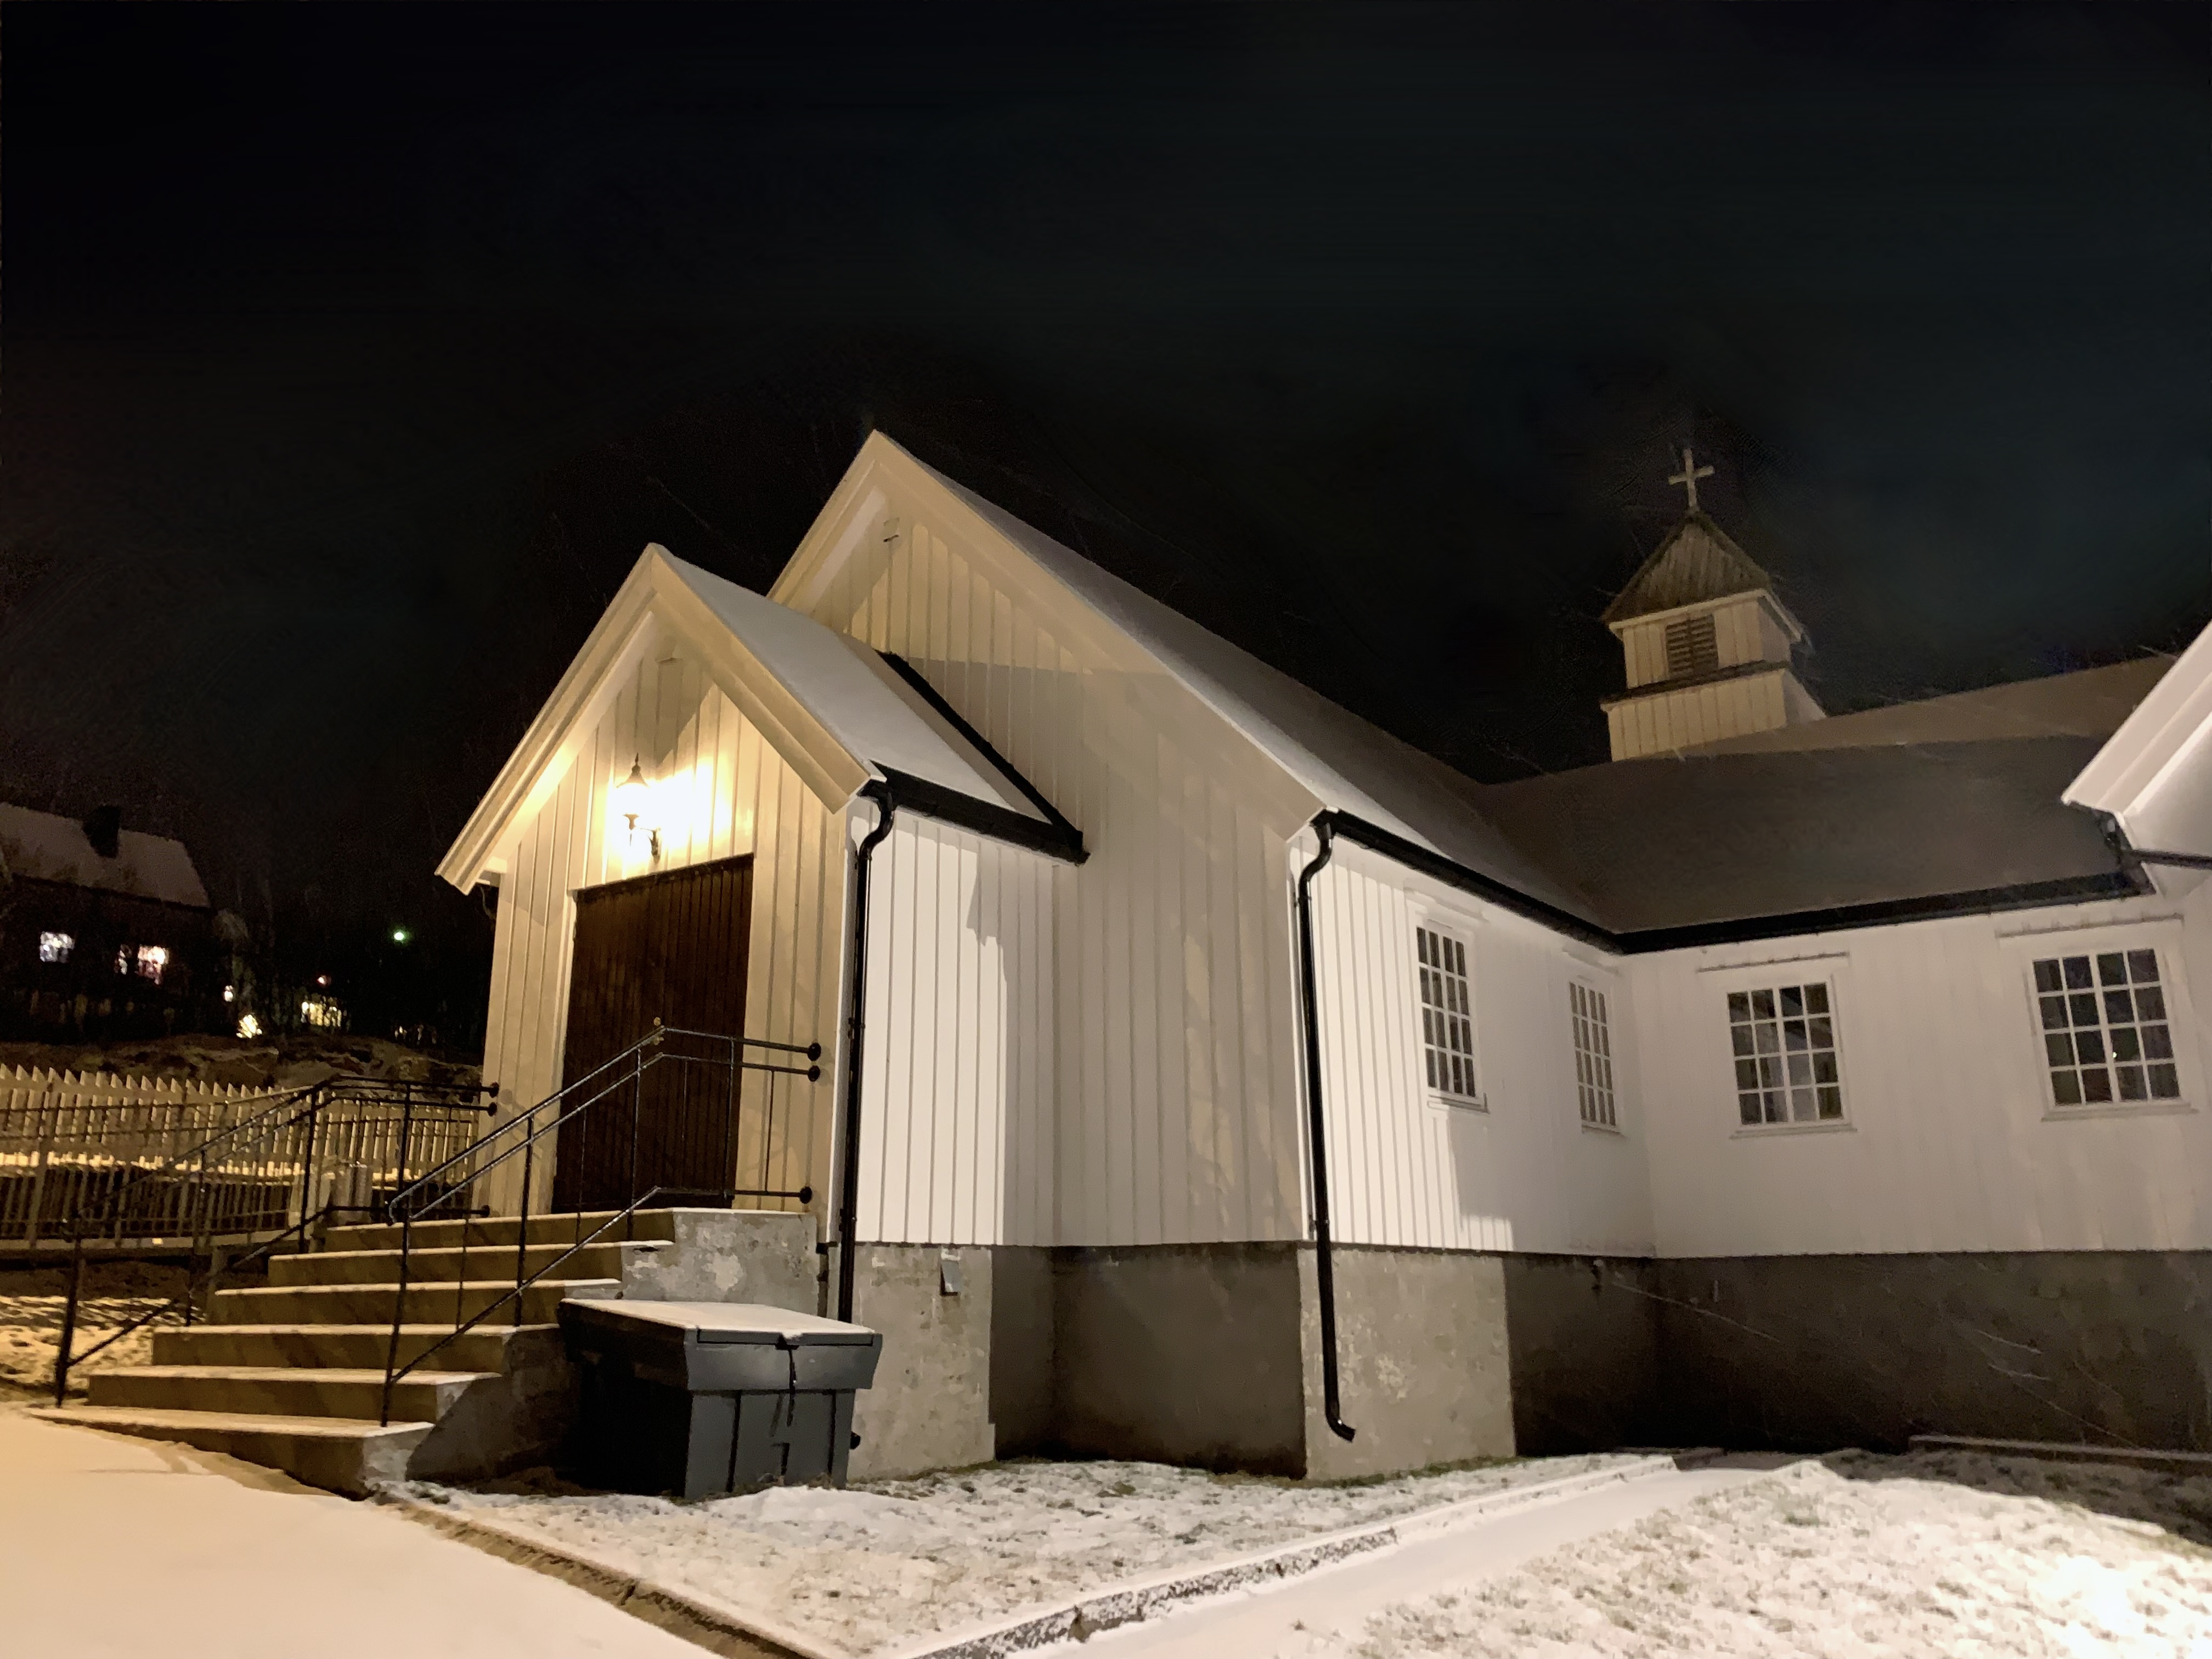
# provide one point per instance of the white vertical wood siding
(1177, 1103)
(720, 792)
(1949, 1146)
(1669, 720)
(957, 1108)
(1407, 1168)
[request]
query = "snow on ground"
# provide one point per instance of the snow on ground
(30, 1303)
(883, 1564)
(1855, 1555)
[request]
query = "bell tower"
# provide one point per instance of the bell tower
(1708, 644)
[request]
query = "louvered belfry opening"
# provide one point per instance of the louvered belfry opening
(1691, 647)
(671, 947)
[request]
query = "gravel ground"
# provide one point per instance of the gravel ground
(1855, 1556)
(881, 1565)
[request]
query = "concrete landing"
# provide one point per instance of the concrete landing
(115, 1549)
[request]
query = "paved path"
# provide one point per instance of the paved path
(114, 1549)
(1316, 1614)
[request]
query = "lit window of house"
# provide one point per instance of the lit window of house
(56, 947)
(1785, 1043)
(1593, 1054)
(2104, 1034)
(1692, 647)
(322, 1011)
(1446, 1016)
(152, 961)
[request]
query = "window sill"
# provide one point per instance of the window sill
(2121, 1109)
(1763, 1131)
(1613, 1129)
(1457, 1104)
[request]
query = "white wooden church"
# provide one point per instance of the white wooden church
(1238, 1085)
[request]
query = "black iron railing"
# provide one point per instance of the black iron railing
(619, 1158)
(285, 1166)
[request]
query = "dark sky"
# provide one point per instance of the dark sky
(350, 355)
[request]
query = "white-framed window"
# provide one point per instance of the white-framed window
(56, 947)
(1784, 1043)
(153, 962)
(1587, 1006)
(2107, 1034)
(1446, 1016)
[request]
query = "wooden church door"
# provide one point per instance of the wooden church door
(671, 947)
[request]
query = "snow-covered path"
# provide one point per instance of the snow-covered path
(112, 1548)
(1322, 1612)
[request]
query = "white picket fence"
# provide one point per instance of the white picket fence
(148, 1158)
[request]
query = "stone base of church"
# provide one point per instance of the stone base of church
(1209, 1356)
(1809, 1353)
(1813, 1352)
(930, 1407)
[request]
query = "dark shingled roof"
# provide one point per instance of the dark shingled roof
(1695, 563)
(1702, 840)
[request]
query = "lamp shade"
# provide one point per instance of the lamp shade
(633, 796)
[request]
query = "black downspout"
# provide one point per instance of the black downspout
(849, 1177)
(1324, 1264)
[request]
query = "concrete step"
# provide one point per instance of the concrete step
(363, 1348)
(365, 1305)
(343, 1454)
(565, 1227)
(447, 1266)
(423, 1396)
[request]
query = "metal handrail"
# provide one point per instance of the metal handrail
(410, 1204)
(288, 1110)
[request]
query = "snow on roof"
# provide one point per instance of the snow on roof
(46, 846)
(1347, 763)
(858, 697)
(2154, 775)
(1698, 839)
(2091, 702)
(1696, 564)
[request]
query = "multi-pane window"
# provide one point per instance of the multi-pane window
(1691, 647)
(1447, 1014)
(153, 962)
(1784, 1041)
(1593, 1054)
(56, 947)
(2105, 1033)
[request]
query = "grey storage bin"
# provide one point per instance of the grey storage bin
(703, 1398)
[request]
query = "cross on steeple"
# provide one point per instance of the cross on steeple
(1688, 476)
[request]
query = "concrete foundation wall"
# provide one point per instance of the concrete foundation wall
(931, 1405)
(1023, 1345)
(1186, 1354)
(1583, 1335)
(1811, 1352)
(1423, 1360)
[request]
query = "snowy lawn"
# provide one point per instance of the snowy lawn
(31, 1304)
(1855, 1555)
(881, 1565)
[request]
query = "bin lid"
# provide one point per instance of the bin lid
(728, 1321)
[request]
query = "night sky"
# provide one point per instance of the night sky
(351, 355)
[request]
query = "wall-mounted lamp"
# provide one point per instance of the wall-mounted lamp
(633, 805)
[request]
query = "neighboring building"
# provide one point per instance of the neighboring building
(104, 931)
(1842, 1082)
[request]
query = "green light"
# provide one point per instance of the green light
(400, 936)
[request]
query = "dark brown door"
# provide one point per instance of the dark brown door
(672, 948)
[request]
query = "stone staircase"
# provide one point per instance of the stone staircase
(291, 1374)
